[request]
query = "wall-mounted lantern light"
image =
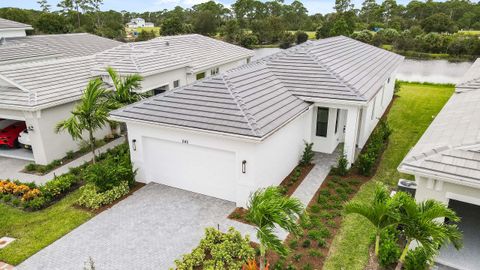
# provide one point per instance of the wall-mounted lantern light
(134, 145)
(244, 166)
(30, 128)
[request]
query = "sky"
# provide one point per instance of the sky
(313, 6)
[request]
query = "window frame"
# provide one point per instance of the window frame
(336, 121)
(321, 127)
(176, 83)
(200, 75)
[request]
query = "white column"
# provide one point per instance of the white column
(351, 128)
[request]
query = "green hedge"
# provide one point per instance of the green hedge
(374, 148)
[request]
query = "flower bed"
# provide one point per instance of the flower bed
(37, 169)
(112, 169)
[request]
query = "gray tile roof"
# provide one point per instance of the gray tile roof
(257, 98)
(35, 85)
(451, 144)
(200, 52)
(7, 24)
(44, 47)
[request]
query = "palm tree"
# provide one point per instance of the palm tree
(423, 222)
(379, 212)
(124, 93)
(88, 115)
(268, 208)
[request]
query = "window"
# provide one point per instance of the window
(336, 121)
(322, 122)
(200, 76)
(249, 59)
(214, 71)
(176, 83)
(383, 96)
(388, 81)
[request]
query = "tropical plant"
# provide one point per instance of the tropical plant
(267, 209)
(90, 114)
(124, 93)
(380, 212)
(423, 222)
(307, 155)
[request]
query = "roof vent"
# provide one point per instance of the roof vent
(167, 43)
(3, 41)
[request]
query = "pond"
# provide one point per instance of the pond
(434, 71)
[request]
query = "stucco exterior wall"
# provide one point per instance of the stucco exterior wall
(328, 144)
(375, 109)
(222, 68)
(432, 188)
(267, 162)
(48, 145)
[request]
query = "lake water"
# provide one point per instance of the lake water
(435, 71)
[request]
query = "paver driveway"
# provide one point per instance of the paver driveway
(148, 230)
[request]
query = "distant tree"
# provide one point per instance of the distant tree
(301, 37)
(231, 31)
(207, 17)
(340, 27)
(370, 11)
(44, 5)
(439, 22)
(364, 36)
(342, 6)
(248, 40)
(145, 35)
(172, 26)
(51, 23)
(287, 40)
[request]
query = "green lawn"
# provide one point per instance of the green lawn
(469, 32)
(410, 115)
(36, 230)
(311, 34)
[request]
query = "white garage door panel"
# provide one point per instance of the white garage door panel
(199, 169)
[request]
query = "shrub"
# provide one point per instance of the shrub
(325, 193)
(286, 40)
(365, 163)
(57, 186)
(218, 250)
(296, 174)
(307, 267)
(342, 164)
(389, 251)
(306, 243)
(307, 155)
(322, 243)
(111, 171)
(70, 155)
(293, 244)
(93, 199)
(315, 253)
(322, 199)
(36, 203)
(31, 167)
(301, 37)
(315, 208)
(417, 259)
(248, 40)
(297, 257)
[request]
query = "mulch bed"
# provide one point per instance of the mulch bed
(136, 186)
(289, 186)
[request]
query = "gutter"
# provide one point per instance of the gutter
(408, 169)
(210, 132)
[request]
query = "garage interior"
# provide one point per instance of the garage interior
(17, 152)
(467, 258)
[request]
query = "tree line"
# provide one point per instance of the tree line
(249, 22)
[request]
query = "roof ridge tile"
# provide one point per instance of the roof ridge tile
(252, 123)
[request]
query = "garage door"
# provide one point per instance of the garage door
(199, 169)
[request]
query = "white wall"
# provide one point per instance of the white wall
(165, 78)
(12, 33)
(268, 162)
(222, 68)
(48, 145)
(431, 188)
(328, 144)
(377, 106)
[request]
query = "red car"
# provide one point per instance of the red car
(9, 135)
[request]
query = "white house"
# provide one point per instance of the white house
(42, 77)
(139, 22)
(10, 29)
(446, 165)
(233, 133)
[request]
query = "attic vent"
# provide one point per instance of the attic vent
(167, 43)
(3, 41)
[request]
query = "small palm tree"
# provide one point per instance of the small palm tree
(380, 212)
(124, 93)
(423, 222)
(268, 208)
(88, 115)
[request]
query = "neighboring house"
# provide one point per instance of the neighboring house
(139, 22)
(13, 29)
(172, 61)
(446, 165)
(233, 133)
(42, 77)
